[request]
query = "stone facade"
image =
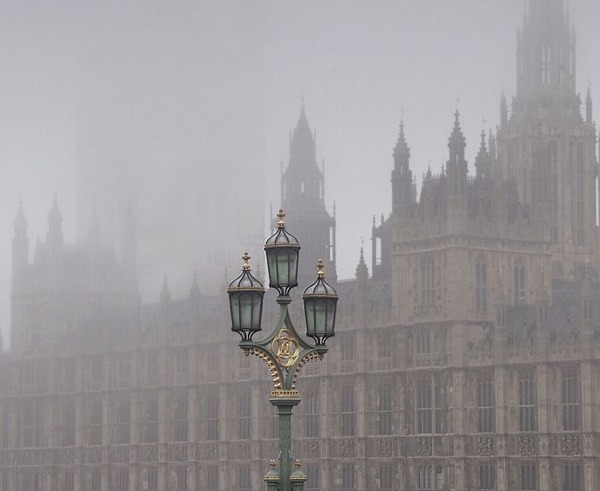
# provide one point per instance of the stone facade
(467, 360)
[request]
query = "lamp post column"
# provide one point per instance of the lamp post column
(284, 407)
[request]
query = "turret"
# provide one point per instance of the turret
(362, 277)
(457, 175)
(588, 107)
(503, 111)
(402, 180)
(456, 147)
(427, 196)
(482, 161)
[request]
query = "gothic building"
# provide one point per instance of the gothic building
(467, 358)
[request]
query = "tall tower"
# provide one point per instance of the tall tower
(303, 199)
(546, 144)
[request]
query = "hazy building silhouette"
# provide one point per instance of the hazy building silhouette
(468, 360)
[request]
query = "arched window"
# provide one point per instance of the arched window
(519, 283)
(480, 285)
(425, 477)
(427, 282)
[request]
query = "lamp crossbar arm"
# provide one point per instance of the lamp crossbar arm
(284, 352)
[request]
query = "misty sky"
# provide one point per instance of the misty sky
(164, 95)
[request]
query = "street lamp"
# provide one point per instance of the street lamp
(283, 350)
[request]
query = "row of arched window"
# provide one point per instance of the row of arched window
(428, 286)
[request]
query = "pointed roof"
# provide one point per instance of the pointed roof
(482, 158)
(457, 139)
(482, 145)
(401, 148)
(361, 269)
(302, 130)
(302, 183)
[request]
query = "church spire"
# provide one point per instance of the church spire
(456, 143)
(401, 151)
(482, 159)
(402, 179)
(457, 171)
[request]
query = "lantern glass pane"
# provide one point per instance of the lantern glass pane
(331, 307)
(320, 317)
(256, 311)
(272, 266)
(234, 303)
(293, 268)
(283, 274)
(246, 311)
(283, 267)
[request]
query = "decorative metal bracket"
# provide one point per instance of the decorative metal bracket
(284, 352)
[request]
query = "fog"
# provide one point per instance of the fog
(184, 110)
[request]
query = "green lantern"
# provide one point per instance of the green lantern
(245, 302)
(282, 250)
(320, 303)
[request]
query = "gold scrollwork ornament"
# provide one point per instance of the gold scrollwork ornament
(286, 348)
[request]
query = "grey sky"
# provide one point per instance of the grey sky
(204, 94)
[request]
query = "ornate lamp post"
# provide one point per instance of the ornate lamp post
(283, 350)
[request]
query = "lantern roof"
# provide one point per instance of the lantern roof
(281, 238)
(320, 287)
(245, 281)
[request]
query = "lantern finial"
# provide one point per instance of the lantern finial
(245, 258)
(320, 268)
(281, 221)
